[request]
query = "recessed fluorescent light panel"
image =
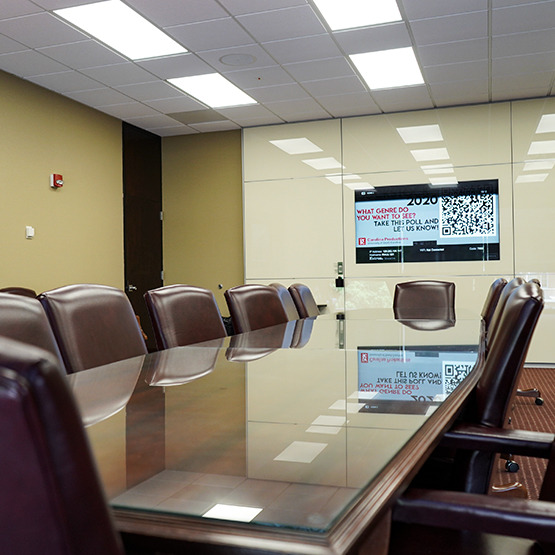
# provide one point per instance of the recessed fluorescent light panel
(387, 69)
(542, 147)
(438, 169)
(443, 181)
(538, 165)
(323, 163)
(232, 512)
(547, 124)
(420, 134)
(348, 14)
(425, 154)
(213, 90)
(296, 146)
(532, 178)
(121, 28)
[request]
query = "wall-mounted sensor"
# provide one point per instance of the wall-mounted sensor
(29, 232)
(56, 180)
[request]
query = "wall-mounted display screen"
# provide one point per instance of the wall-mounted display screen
(421, 223)
(410, 380)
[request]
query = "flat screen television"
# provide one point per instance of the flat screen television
(410, 380)
(421, 223)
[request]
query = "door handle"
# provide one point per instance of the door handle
(130, 288)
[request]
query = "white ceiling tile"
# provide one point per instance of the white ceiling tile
(372, 39)
(248, 115)
(259, 77)
(532, 63)
(339, 85)
(282, 24)
(129, 110)
(214, 126)
(83, 54)
(453, 52)
(298, 110)
(154, 90)
(119, 74)
(174, 131)
(176, 66)
(320, 69)
(461, 92)
(178, 104)
(220, 33)
(68, 81)
(9, 45)
(155, 121)
(42, 29)
(240, 7)
(99, 97)
(260, 58)
(29, 63)
(177, 12)
(345, 105)
(516, 44)
(58, 4)
(463, 71)
(291, 91)
(395, 100)
(302, 49)
(473, 25)
(521, 86)
(422, 9)
(527, 17)
(15, 8)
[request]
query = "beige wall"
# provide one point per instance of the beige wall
(202, 203)
(79, 228)
(305, 198)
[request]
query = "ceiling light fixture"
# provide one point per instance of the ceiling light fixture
(324, 163)
(213, 90)
(387, 69)
(547, 124)
(420, 134)
(348, 14)
(425, 154)
(541, 147)
(300, 145)
(438, 168)
(121, 28)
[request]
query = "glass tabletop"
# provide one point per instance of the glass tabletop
(284, 427)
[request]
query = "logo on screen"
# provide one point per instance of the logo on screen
(364, 357)
(362, 240)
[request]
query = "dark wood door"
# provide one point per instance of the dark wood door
(142, 206)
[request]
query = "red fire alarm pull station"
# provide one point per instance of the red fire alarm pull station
(56, 181)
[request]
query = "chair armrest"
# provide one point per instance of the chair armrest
(499, 440)
(521, 518)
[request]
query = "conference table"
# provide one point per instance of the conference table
(292, 439)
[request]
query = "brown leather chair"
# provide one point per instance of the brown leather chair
(24, 291)
(304, 300)
(492, 299)
(287, 301)
(489, 403)
(93, 325)
(183, 314)
(425, 304)
(23, 319)
(53, 501)
(253, 307)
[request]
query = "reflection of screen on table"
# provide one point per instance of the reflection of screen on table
(420, 223)
(410, 380)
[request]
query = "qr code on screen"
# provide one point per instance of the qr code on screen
(467, 215)
(454, 373)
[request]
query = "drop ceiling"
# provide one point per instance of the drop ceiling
(282, 53)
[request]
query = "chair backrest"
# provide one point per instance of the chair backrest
(22, 318)
(492, 299)
(253, 307)
(53, 499)
(500, 306)
(183, 314)
(507, 354)
(93, 325)
(424, 300)
(24, 291)
(304, 300)
(287, 301)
